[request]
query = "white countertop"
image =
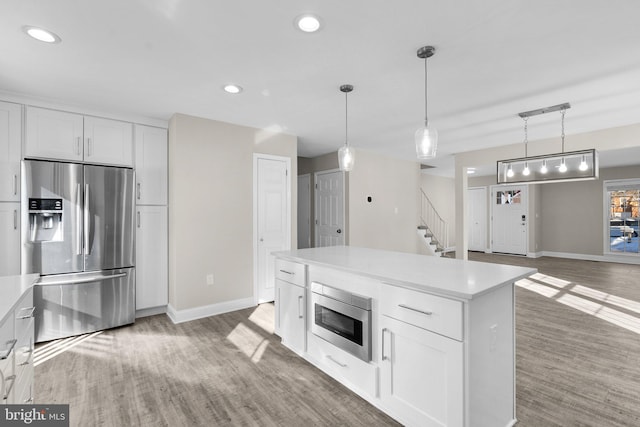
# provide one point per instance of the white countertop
(11, 290)
(444, 276)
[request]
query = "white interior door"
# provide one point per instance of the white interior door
(272, 206)
(330, 230)
(509, 222)
(304, 211)
(477, 203)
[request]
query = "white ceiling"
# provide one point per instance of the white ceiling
(494, 59)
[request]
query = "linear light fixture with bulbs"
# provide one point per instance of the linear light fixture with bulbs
(558, 167)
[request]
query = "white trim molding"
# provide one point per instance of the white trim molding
(145, 312)
(620, 259)
(180, 316)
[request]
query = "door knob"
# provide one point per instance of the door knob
(339, 231)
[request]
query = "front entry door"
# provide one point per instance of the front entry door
(509, 222)
(330, 230)
(272, 219)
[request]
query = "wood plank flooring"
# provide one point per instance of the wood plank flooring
(573, 368)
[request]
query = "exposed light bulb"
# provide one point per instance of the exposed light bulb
(426, 142)
(510, 172)
(346, 158)
(526, 170)
(583, 164)
(543, 168)
(563, 166)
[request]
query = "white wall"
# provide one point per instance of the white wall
(211, 207)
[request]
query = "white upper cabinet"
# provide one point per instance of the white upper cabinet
(10, 138)
(108, 141)
(53, 134)
(151, 165)
(60, 135)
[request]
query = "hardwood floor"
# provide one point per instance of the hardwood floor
(578, 363)
(226, 370)
(578, 347)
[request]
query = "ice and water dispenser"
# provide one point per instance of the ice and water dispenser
(45, 220)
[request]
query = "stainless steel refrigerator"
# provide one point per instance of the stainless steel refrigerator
(78, 233)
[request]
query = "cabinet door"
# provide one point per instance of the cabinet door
(10, 141)
(421, 375)
(292, 315)
(152, 286)
(53, 134)
(108, 141)
(151, 165)
(9, 239)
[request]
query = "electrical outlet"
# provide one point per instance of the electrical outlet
(210, 279)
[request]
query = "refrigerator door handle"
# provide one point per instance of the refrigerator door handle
(91, 279)
(78, 224)
(87, 225)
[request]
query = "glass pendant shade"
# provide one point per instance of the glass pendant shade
(426, 142)
(346, 158)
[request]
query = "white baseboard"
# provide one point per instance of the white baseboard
(621, 259)
(145, 312)
(534, 254)
(179, 316)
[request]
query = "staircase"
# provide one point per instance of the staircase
(433, 229)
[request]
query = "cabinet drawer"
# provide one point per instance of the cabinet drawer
(6, 337)
(344, 367)
(23, 388)
(291, 272)
(440, 315)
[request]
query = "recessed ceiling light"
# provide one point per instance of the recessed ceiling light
(308, 23)
(231, 88)
(41, 34)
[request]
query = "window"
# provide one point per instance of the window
(622, 202)
(508, 197)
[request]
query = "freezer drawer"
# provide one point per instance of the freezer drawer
(73, 304)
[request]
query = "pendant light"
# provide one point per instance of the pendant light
(426, 137)
(557, 167)
(346, 155)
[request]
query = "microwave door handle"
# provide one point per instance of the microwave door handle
(87, 225)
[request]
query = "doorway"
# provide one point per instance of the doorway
(329, 208)
(304, 211)
(477, 226)
(272, 219)
(509, 222)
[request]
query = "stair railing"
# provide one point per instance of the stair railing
(430, 218)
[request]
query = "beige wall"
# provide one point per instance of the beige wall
(441, 191)
(211, 207)
(573, 213)
(390, 220)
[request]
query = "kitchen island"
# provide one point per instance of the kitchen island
(429, 340)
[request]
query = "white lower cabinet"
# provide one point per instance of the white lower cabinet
(16, 353)
(290, 304)
(356, 374)
(9, 238)
(152, 284)
(421, 375)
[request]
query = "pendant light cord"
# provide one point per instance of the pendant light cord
(526, 138)
(426, 117)
(562, 135)
(346, 119)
